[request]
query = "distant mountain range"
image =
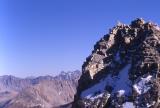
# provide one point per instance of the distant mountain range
(39, 92)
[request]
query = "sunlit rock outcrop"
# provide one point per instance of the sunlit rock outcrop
(123, 69)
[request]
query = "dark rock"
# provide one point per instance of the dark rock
(134, 49)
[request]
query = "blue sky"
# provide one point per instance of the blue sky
(40, 37)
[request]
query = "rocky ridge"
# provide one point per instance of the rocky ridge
(123, 69)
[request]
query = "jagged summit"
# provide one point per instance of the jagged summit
(123, 69)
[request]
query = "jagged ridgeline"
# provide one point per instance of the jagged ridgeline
(123, 70)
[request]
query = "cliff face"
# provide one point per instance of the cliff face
(123, 69)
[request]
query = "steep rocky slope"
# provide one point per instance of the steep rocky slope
(40, 92)
(123, 69)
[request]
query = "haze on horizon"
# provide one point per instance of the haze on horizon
(40, 37)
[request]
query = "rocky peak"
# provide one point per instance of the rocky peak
(123, 68)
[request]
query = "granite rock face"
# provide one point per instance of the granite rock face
(123, 70)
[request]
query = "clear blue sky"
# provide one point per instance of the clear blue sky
(39, 37)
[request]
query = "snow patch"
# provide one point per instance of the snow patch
(98, 96)
(120, 93)
(142, 86)
(117, 58)
(128, 105)
(120, 83)
(97, 88)
(123, 82)
(149, 105)
(157, 27)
